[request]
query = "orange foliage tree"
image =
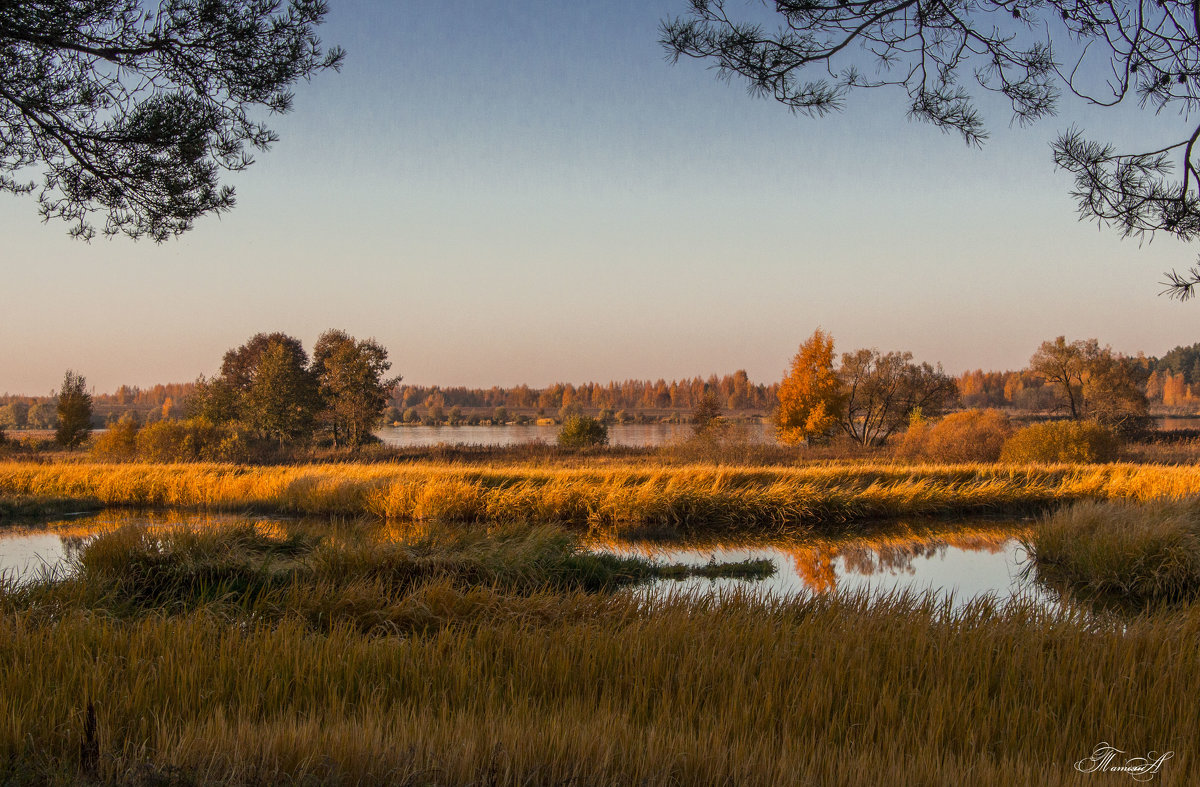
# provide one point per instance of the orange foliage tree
(811, 398)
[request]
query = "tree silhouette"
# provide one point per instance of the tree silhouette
(1106, 52)
(133, 112)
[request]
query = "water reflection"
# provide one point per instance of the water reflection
(959, 560)
(632, 435)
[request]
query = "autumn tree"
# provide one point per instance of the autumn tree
(74, 405)
(1113, 395)
(706, 417)
(1092, 382)
(14, 414)
(133, 109)
(882, 390)
(1106, 52)
(351, 382)
(43, 415)
(1064, 366)
(811, 398)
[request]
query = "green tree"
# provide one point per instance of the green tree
(582, 431)
(1108, 53)
(811, 399)
(352, 386)
(133, 109)
(215, 399)
(74, 411)
(282, 400)
(239, 367)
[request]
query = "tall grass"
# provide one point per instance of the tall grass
(320, 571)
(690, 498)
(601, 690)
(1138, 553)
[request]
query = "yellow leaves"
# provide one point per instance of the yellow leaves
(810, 396)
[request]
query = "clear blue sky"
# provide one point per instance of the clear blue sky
(528, 192)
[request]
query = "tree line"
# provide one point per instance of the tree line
(271, 387)
(869, 396)
(736, 392)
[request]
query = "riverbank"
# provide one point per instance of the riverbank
(692, 498)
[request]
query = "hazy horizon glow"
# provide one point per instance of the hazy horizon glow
(528, 193)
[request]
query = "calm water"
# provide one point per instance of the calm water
(966, 560)
(1178, 422)
(960, 564)
(635, 435)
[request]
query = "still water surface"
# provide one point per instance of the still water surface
(633, 435)
(959, 560)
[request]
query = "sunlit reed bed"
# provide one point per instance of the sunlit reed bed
(577, 688)
(691, 498)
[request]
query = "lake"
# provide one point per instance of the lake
(632, 435)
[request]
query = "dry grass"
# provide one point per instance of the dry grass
(604, 690)
(361, 652)
(688, 499)
(1135, 553)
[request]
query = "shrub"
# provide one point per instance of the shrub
(196, 439)
(969, 436)
(119, 443)
(1061, 441)
(581, 431)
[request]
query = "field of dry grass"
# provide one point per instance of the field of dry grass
(425, 632)
(254, 656)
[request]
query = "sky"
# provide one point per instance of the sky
(529, 192)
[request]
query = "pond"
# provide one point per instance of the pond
(956, 560)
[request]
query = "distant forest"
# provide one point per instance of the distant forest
(1171, 384)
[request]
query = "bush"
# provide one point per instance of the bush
(1061, 441)
(119, 443)
(196, 439)
(969, 436)
(581, 431)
